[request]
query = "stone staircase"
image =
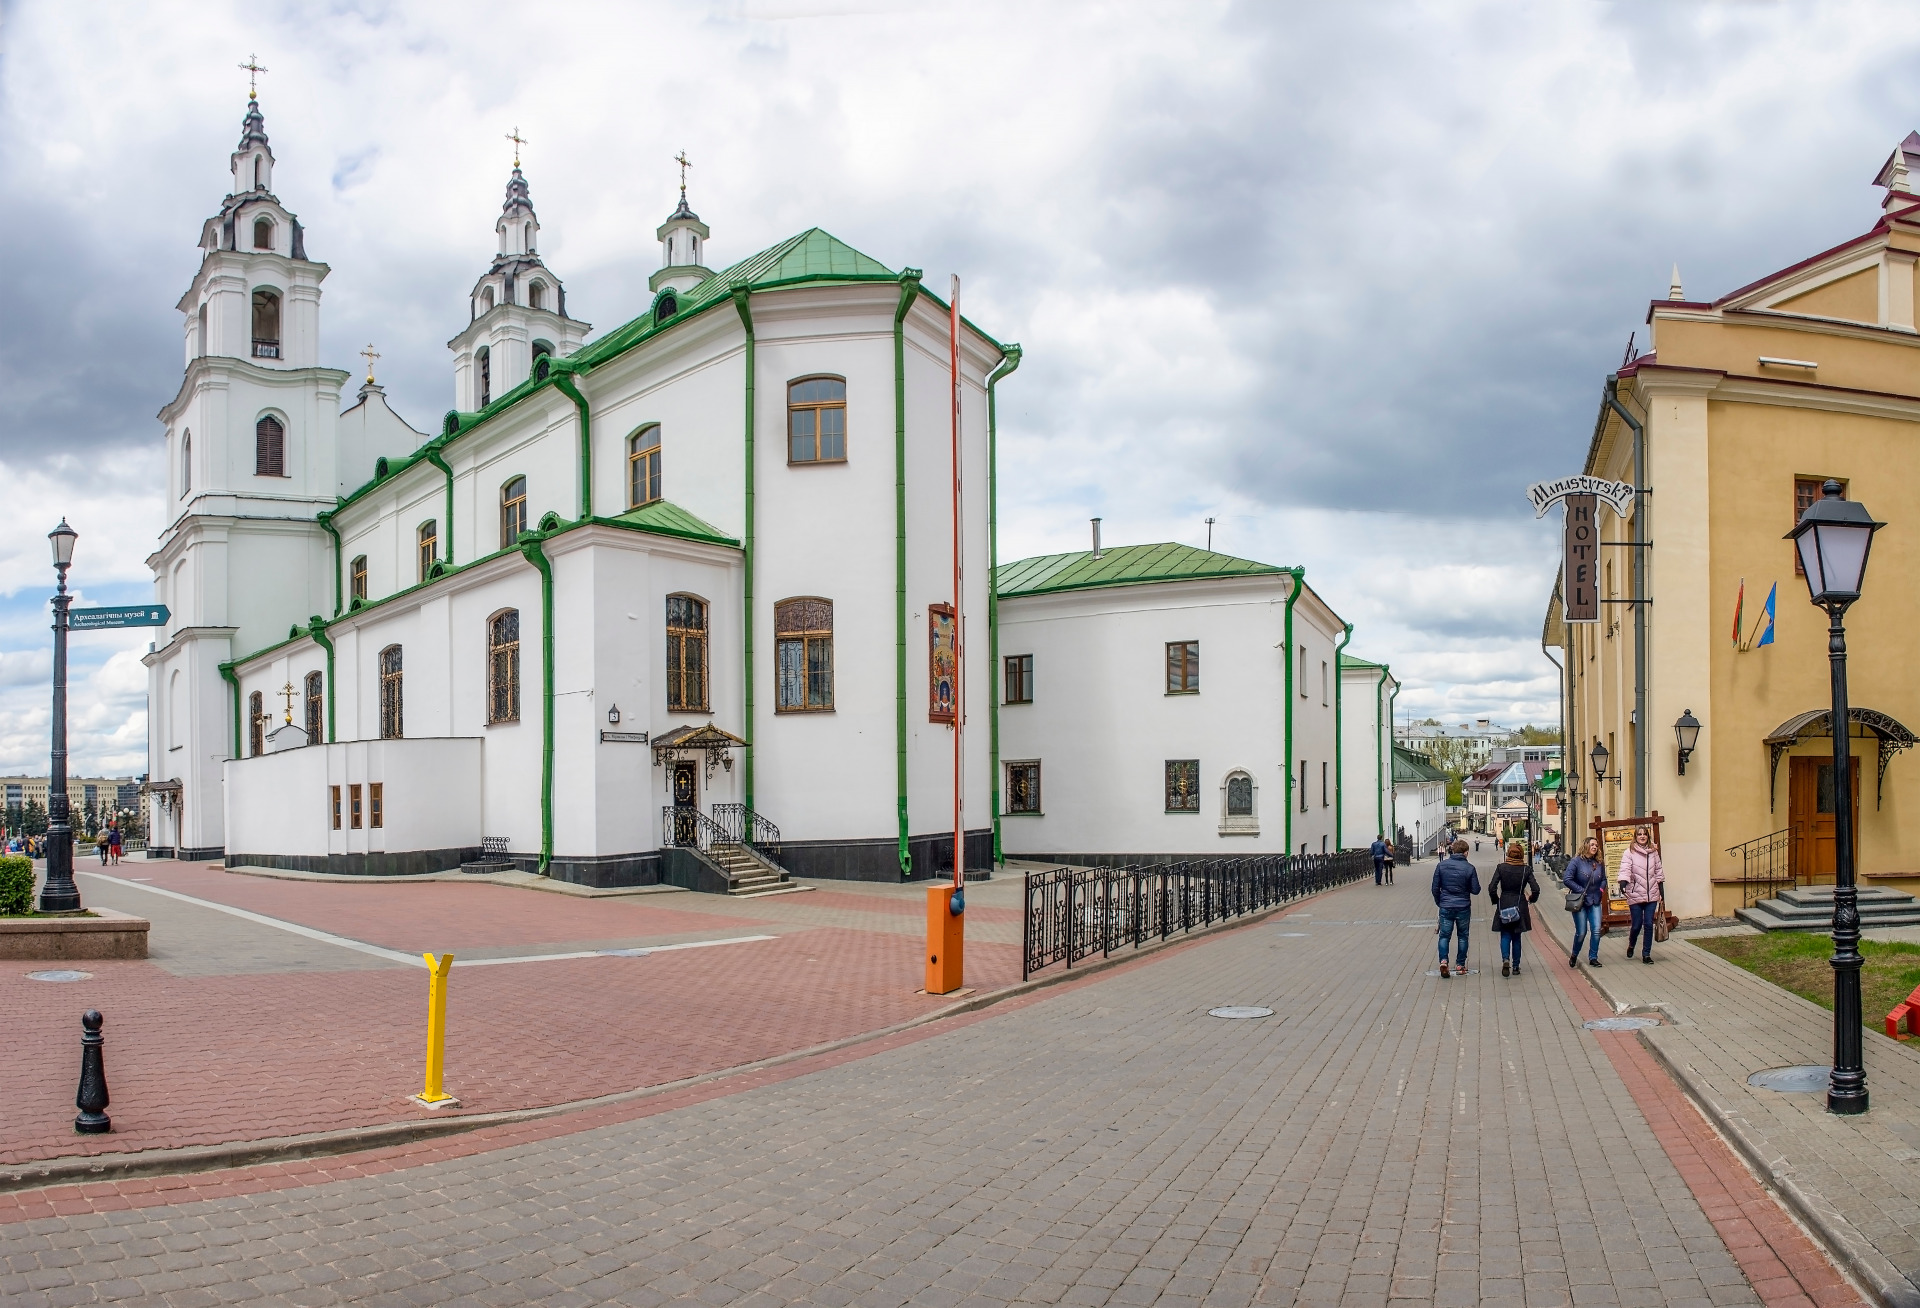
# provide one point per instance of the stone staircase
(1810, 908)
(747, 872)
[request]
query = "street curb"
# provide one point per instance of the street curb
(320, 1144)
(1840, 1239)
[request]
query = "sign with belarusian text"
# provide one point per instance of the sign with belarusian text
(143, 615)
(1617, 494)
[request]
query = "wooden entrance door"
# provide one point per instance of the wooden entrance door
(686, 802)
(1810, 810)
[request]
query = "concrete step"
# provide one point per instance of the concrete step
(759, 885)
(1810, 908)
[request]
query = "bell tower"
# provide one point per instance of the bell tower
(683, 241)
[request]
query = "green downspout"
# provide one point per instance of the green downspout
(1339, 742)
(1387, 788)
(1010, 359)
(317, 628)
(1293, 594)
(564, 383)
(746, 543)
(226, 670)
(326, 520)
(433, 457)
(530, 545)
(909, 288)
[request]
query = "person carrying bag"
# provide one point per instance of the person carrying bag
(1644, 884)
(1585, 879)
(1512, 888)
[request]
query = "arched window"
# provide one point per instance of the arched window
(256, 726)
(269, 448)
(503, 666)
(803, 651)
(176, 710)
(513, 511)
(530, 250)
(536, 291)
(483, 363)
(357, 578)
(427, 546)
(392, 720)
(200, 334)
(643, 466)
(486, 299)
(316, 698)
(817, 420)
(262, 227)
(186, 463)
(666, 306)
(686, 654)
(542, 359)
(1238, 813)
(266, 324)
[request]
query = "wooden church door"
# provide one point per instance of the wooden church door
(1810, 810)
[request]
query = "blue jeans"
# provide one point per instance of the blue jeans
(1379, 869)
(1642, 921)
(1451, 920)
(1585, 921)
(1510, 947)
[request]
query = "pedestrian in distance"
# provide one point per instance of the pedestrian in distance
(100, 847)
(1512, 888)
(1455, 883)
(114, 841)
(1389, 864)
(1379, 851)
(1644, 883)
(1586, 881)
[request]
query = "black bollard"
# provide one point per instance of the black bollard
(92, 1098)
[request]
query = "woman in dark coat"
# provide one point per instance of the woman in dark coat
(1512, 887)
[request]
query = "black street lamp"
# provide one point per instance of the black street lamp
(60, 895)
(1687, 732)
(1600, 756)
(1834, 537)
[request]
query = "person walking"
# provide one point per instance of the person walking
(1389, 863)
(1586, 877)
(1379, 851)
(1455, 883)
(1644, 883)
(1512, 888)
(114, 840)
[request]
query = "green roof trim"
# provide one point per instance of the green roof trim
(1122, 565)
(1351, 661)
(1409, 766)
(665, 518)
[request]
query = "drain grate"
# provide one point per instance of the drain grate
(1239, 1011)
(1621, 1023)
(1804, 1080)
(60, 974)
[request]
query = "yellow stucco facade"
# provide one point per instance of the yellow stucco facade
(1810, 373)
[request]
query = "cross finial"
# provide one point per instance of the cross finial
(518, 141)
(254, 69)
(287, 693)
(369, 354)
(685, 164)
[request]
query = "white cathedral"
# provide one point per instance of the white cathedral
(675, 604)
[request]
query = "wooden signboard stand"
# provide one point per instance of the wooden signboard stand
(1616, 836)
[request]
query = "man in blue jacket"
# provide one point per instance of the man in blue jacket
(1379, 851)
(1455, 885)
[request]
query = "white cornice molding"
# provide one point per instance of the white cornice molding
(1760, 390)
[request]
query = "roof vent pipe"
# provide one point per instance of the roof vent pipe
(1096, 538)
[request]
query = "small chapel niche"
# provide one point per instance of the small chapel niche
(263, 233)
(536, 295)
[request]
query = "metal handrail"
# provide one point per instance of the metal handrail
(1766, 866)
(689, 828)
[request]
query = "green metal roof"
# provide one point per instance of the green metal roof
(1349, 661)
(1409, 766)
(1122, 565)
(668, 519)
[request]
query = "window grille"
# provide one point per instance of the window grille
(392, 717)
(1239, 795)
(1019, 678)
(513, 511)
(803, 639)
(1183, 785)
(817, 420)
(1183, 667)
(316, 694)
(643, 466)
(1023, 787)
(269, 448)
(686, 653)
(503, 667)
(357, 578)
(427, 546)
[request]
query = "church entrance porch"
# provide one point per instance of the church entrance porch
(1810, 816)
(685, 815)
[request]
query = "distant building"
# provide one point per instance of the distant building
(1454, 747)
(1419, 799)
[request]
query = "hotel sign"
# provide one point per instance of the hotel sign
(1578, 595)
(1617, 494)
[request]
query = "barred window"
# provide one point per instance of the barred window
(817, 420)
(686, 653)
(256, 726)
(1183, 667)
(513, 511)
(1183, 785)
(316, 696)
(643, 466)
(1019, 678)
(503, 666)
(269, 448)
(1239, 795)
(392, 718)
(483, 361)
(1023, 787)
(803, 640)
(427, 546)
(357, 578)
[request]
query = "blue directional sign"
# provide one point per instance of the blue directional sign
(141, 615)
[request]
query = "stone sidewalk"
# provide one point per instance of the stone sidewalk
(1384, 1137)
(1854, 1180)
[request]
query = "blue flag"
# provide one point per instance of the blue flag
(1766, 631)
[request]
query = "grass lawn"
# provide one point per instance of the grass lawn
(1798, 963)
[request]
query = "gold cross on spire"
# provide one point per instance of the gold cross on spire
(685, 164)
(518, 141)
(369, 354)
(287, 692)
(254, 69)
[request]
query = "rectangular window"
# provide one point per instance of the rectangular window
(1301, 679)
(376, 804)
(817, 420)
(1324, 801)
(803, 655)
(353, 807)
(1303, 785)
(686, 654)
(1019, 678)
(1326, 682)
(1183, 667)
(1183, 785)
(357, 578)
(1805, 491)
(1023, 787)
(513, 511)
(428, 547)
(335, 796)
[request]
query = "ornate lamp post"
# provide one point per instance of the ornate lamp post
(60, 895)
(1834, 537)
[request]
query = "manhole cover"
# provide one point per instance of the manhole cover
(60, 974)
(1792, 1080)
(1239, 1010)
(1621, 1023)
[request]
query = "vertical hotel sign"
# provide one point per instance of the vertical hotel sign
(1582, 496)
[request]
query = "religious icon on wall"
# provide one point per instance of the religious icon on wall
(943, 663)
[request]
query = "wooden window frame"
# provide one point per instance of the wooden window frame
(513, 511)
(354, 810)
(1192, 767)
(393, 707)
(643, 467)
(334, 795)
(1183, 667)
(357, 578)
(1018, 676)
(816, 408)
(269, 447)
(680, 639)
(1034, 809)
(426, 546)
(376, 804)
(1806, 490)
(315, 684)
(503, 669)
(788, 630)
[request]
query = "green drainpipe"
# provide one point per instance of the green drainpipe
(1293, 594)
(746, 652)
(564, 381)
(1009, 361)
(1380, 758)
(530, 545)
(1339, 741)
(909, 288)
(317, 628)
(433, 457)
(326, 520)
(226, 670)
(1387, 789)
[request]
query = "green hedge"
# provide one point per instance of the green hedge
(16, 885)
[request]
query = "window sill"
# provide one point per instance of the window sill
(800, 712)
(1009, 703)
(1239, 831)
(705, 708)
(504, 722)
(1172, 693)
(1183, 812)
(1024, 812)
(814, 463)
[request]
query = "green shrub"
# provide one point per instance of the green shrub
(16, 885)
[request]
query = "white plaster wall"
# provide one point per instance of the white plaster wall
(283, 803)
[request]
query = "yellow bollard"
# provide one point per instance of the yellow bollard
(435, 1094)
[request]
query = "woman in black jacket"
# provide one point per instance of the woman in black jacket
(1512, 888)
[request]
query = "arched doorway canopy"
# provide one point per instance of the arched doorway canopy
(1891, 734)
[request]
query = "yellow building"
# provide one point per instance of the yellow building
(1745, 404)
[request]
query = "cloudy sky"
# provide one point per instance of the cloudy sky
(1344, 277)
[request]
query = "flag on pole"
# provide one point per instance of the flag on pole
(1739, 610)
(1766, 620)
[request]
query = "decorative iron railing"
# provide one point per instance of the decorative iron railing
(263, 349)
(1766, 866)
(743, 826)
(689, 828)
(1074, 912)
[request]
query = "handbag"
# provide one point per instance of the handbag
(1660, 919)
(1508, 917)
(1576, 900)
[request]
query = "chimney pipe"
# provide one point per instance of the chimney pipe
(1096, 538)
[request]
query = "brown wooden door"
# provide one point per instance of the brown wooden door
(1810, 810)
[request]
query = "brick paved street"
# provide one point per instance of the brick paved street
(1385, 1137)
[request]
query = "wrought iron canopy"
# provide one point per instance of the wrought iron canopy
(1891, 734)
(692, 742)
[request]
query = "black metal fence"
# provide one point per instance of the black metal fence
(1766, 866)
(1075, 912)
(740, 825)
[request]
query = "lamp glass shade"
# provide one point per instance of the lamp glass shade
(1600, 755)
(1834, 537)
(62, 538)
(1687, 731)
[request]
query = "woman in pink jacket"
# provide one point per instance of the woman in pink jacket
(1644, 884)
